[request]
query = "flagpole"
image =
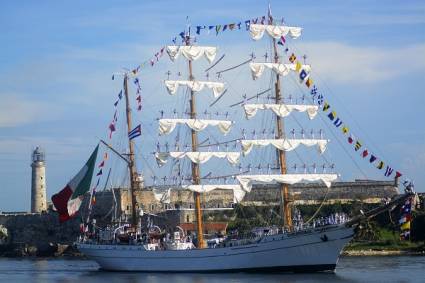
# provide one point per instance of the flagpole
(284, 189)
(131, 163)
(195, 166)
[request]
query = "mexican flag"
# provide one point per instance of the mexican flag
(68, 201)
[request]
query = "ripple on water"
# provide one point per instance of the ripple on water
(350, 269)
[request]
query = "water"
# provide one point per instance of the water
(350, 269)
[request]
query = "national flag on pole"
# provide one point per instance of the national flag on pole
(137, 131)
(68, 201)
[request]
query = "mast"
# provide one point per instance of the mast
(195, 166)
(284, 190)
(131, 163)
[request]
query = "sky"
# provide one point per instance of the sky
(57, 59)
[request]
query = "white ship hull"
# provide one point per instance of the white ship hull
(314, 250)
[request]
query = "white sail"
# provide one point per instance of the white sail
(192, 52)
(257, 69)
(217, 87)
(166, 126)
(257, 31)
(283, 144)
(290, 179)
(281, 110)
(197, 157)
(238, 192)
(163, 194)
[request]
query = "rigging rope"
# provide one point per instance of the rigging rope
(218, 98)
(216, 62)
(320, 207)
(252, 97)
(232, 68)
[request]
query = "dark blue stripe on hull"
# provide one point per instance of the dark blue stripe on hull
(277, 269)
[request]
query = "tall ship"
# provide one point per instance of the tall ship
(135, 246)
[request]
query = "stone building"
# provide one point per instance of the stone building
(178, 207)
(367, 191)
(38, 181)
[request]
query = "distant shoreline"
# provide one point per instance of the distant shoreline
(371, 252)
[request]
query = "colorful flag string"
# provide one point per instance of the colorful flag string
(304, 78)
(208, 29)
(406, 218)
(333, 117)
(138, 93)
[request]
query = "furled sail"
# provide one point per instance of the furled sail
(238, 192)
(166, 126)
(197, 157)
(217, 87)
(281, 110)
(257, 31)
(290, 179)
(283, 144)
(257, 69)
(192, 52)
(163, 194)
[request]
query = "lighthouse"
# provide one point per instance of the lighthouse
(38, 181)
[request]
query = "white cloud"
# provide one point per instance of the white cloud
(16, 110)
(344, 63)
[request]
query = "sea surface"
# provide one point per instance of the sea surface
(350, 269)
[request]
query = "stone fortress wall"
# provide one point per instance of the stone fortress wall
(42, 228)
(261, 195)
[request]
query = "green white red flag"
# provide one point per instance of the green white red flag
(68, 201)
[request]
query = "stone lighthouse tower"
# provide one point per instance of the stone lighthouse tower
(38, 181)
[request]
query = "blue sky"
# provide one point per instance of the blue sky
(57, 59)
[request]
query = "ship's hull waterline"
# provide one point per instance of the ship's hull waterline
(316, 250)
